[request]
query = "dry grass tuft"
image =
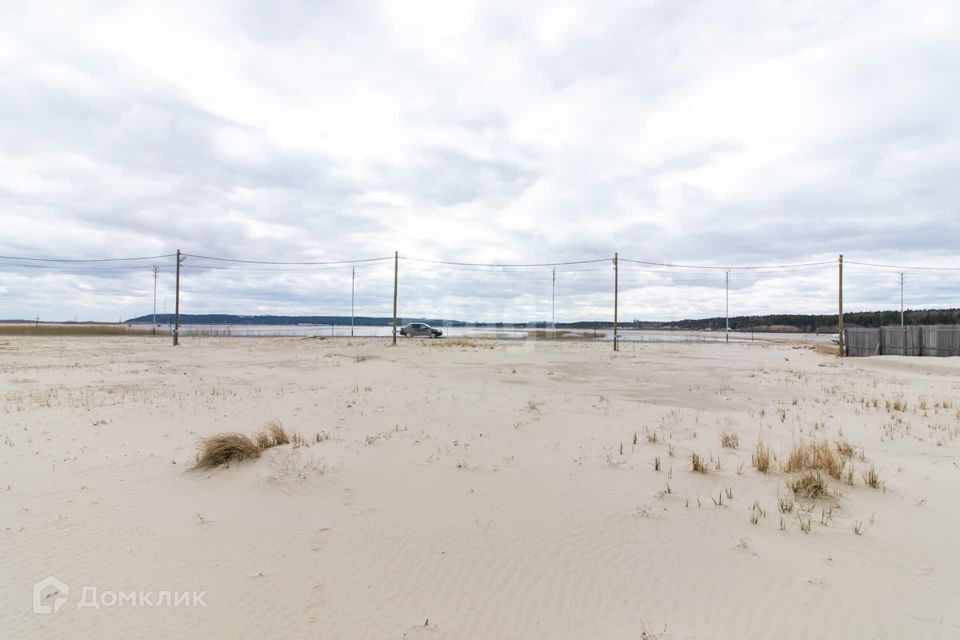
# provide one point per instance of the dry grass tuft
(845, 449)
(761, 457)
(819, 456)
(277, 434)
(697, 463)
(730, 440)
(809, 485)
(263, 440)
(871, 477)
(225, 448)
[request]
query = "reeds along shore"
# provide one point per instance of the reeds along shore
(27, 329)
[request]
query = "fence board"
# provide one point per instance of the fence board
(923, 340)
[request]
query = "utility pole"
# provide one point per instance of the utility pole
(728, 305)
(840, 339)
(616, 300)
(902, 278)
(156, 269)
(353, 282)
(553, 304)
(176, 328)
(396, 263)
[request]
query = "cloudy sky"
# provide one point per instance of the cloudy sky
(690, 133)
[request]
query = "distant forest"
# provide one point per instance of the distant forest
(808, 323)
(805, 323)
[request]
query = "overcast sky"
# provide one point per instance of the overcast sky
(706, 133)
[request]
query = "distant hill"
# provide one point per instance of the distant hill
(804, 323)
(225, 318)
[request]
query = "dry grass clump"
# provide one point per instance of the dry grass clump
(761, 457)
(562, 334)
(225, 448)
(809, 485)
(845, 449)
(457, 342)
(697, 463)
(276, 433)
(871, 477)
(805, 456)
(730, 440)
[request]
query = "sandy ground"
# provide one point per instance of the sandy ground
(490, 491)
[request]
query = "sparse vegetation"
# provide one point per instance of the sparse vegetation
(276, 433)
(871, 476)
(697, 463)
(225, 448)
(761, 457)
(785, 504)
(809, 485)
(730, 440)
(806, 456)
(42, 329)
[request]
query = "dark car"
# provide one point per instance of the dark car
(419, 329)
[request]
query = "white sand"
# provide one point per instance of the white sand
(480, 488)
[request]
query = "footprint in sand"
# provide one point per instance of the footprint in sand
(319, 539)
(314, 604)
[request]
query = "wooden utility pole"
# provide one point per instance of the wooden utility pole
(840, 339)
(156, 270)
(616, 299)
(728, 307)
(353, 283)
(396, 264)
(553, 304)
(902, 278)
(176, 328)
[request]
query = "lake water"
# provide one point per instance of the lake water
(626, 335)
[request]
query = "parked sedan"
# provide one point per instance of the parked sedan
(415, 329)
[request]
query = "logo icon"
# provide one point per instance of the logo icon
(50, 588)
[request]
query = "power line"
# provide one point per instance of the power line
(330, 262)
(506, 265)
(72, 269)
(71, 260)
(720, 268)
(901, 267)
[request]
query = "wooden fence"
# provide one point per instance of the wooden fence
(929, 340)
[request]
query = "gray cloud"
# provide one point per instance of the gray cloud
(682, 132)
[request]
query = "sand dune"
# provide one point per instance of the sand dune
(474, 490)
